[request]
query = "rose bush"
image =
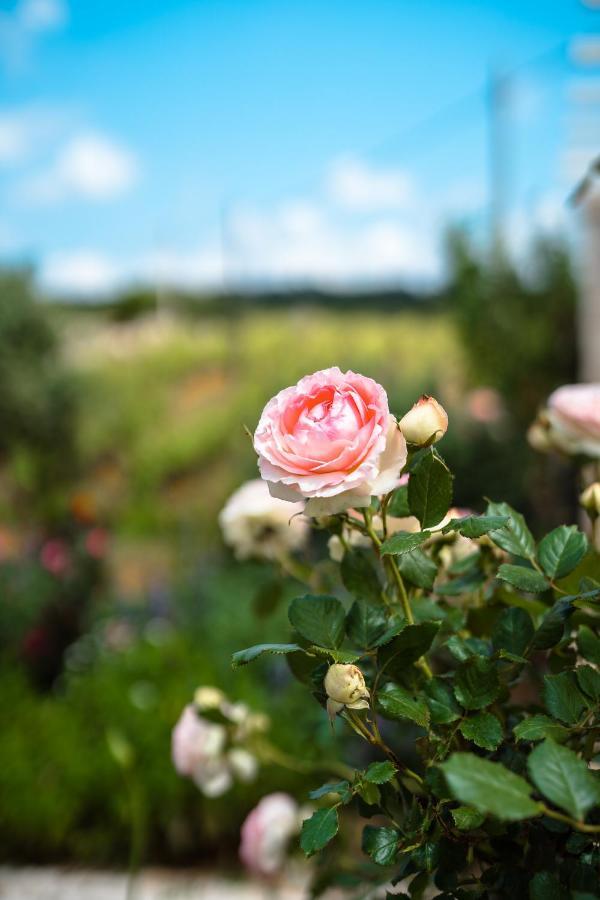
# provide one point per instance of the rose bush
(462, 651)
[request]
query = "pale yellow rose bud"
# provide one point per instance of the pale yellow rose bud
(345, 686)
(590, 500)
(208, 697)
(425, 423)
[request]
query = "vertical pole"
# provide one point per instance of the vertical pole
(588, 323)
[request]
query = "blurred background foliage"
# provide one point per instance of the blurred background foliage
(121, 435)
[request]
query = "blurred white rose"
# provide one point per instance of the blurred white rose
(200, 751)
(255, 524)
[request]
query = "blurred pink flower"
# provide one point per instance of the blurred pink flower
(266, 832)
(55, 556)
(484, 404)
(331, 441)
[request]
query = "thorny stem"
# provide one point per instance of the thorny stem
(376, 740)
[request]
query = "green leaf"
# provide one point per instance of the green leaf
(476, 526)
(398, 506)
(466, 818)
(394, 702)
(337, 656)
(484, 729)
(318, 830)
(418, 568)
(545, 886)
(403, 542)
(562, 697)
(562, 550)
(333, 787)
(359, 576)
(515, 537)
(370, 793)
(523, 578)
(381, 844)
(407, 647)
(476, 683)
(302, 666)
(513, 631)
(365, 623)
(589, 682)
(563, 778)
(489, 787)
(552, 626)
(380, 772)
(460, 648)
(427, 858)
(430, 489)
(443, 708)
(589, 644)
(536, 728)
(243, 657)
(320, 619)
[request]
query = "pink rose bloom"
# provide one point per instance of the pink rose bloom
(331, 441)
(266, 832)
(574, 416)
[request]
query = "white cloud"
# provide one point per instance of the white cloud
(42, 15)
(355, 185)
(82, 272)
(89, 272)
(24, 131)
(24, 24)
(89, 165)
(303, 243)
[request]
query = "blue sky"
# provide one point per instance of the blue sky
(211, 143)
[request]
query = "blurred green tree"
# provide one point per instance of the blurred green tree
(38, 403)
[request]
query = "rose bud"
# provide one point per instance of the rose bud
(538, 435)
(345, 686)
(425, 423)
(590, 500)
